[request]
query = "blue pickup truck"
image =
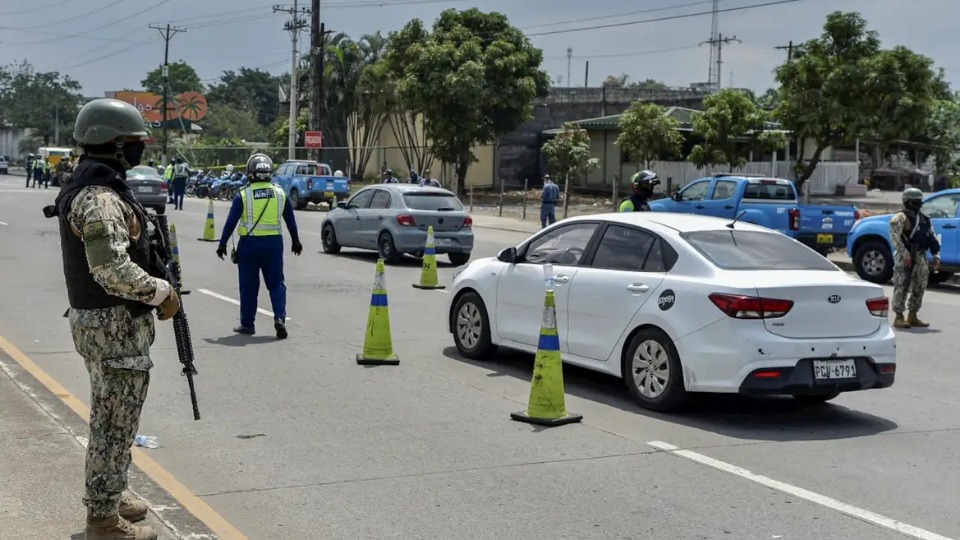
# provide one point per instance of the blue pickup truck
(872, 252)
(311, 182)
(768, 202)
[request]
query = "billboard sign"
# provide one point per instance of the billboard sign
(190, 106)
(314, 139)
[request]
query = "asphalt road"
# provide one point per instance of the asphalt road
(297, 441)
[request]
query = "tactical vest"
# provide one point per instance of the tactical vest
(263, 204)
(83, 291)
(917, 239)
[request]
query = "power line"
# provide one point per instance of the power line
(41, 8)
(617, 15)
(167, 34)
(94, 11)
(625, 55)
(83, 34)
(661, 19)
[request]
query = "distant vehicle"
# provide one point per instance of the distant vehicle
(311, 182)
(675, 304)
(870, 248)
(393, 219)
(769, 202)
(54, 156)
(4, 165)
(149, 188)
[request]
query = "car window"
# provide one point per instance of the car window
(443, 202)
(944, 206)
(724, 189)
(755, 250)
(696, 191)
(623, 248)
(381, 199)
(771, 191)
(662, 257)
(563, 245)
(361, 199)
(307, 169)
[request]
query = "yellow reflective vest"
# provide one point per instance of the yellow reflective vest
(263, 204)
(168, 173)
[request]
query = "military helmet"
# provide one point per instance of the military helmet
(260, 167)
(912, 194)
(103, 120)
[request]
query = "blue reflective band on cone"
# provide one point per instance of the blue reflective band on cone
(430, 251)
(378, 300)
(549, 343)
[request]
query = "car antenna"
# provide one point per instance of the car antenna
(734, 222)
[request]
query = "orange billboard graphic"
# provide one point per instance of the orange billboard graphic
(190, 105)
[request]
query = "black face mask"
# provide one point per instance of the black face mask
(133, 153)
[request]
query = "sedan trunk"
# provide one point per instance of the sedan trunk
(144, 187)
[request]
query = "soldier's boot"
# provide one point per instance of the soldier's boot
(132, 509)
(117, 528)
(900, 322)
(912, 320)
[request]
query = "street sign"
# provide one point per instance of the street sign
(314, 139)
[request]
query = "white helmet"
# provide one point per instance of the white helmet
(230, 168)
(338, 173)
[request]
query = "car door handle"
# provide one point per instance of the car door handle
(949, 226)
(561, 279)
(699, 207)
(635, 287)
(379, 217)
(728, 207)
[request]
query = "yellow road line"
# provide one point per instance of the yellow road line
(154, 470)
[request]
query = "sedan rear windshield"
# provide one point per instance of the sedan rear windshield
(755, 250)
(432, 201)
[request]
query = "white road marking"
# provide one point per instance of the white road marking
(4, 223)
(833, 504)
(236, 302)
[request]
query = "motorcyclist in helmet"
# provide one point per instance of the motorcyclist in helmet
(643, 183)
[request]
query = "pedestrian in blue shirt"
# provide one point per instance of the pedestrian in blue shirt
(548, 202)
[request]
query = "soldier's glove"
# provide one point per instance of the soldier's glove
(221, 251)
(170, 306)
(297, 248)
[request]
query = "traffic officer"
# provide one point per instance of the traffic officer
(548, 201)
(38, 170)
(912, 235)
(258, 208)
(168, 178)
(389, 178)
(180, 174)
(642, 183)
(429, 181)
(28, 165)
(112, 295)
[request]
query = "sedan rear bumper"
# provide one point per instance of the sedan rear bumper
(800, 380)
(413, 240)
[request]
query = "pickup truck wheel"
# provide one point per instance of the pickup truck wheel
(874, 262)
(387, 249)
(940, 276)
(328, 237)
(296, 201)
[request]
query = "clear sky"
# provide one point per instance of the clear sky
(107, 45)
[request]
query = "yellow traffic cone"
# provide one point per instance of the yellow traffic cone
(175, 248)
(210, 228)
(547, 406)
(378, 342)
(428, 276)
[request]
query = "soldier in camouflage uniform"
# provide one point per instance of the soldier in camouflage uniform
(912, 235)
(107, 262)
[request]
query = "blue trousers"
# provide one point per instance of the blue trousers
(548, 214)
(179, 190)
(258, 254)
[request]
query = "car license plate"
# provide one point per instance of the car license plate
(443, 242)
(145, 189)
(328, 194)
(834, 369)
(824, 238)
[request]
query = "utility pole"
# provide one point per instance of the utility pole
(789, 49)
(586, 75)
(167, 34)
(318, 34)
(569, 58)
(718, 44)
(294, 25)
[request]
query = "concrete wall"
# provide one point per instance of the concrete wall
(10, 142)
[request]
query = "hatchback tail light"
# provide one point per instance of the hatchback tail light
(406, 220)
(794, 215)
(468, 222)
(879, 307)
(751, 307)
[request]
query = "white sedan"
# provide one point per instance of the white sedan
(674, 303)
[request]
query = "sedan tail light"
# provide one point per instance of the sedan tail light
(406, 220)
(163, 186)
(468, 222)
(794, 215)
(751, 307)
(879, 307)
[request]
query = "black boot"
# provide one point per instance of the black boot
(245, 331)
(281, 328)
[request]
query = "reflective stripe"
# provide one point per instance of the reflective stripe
(269, 222)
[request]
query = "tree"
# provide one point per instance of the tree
(769, 100)
(730, 126)
(647, 134)
(229, 122)
(406, 116)
(569, 155)
(46, 103)
(182, 78)
(942, 132)
(248, 90)
(475, 78)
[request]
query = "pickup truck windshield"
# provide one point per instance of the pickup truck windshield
(769, 192)
(432, 201)
(754, 250)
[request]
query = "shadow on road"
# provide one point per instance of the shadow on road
(767, 419)
(407, 261)
(241, 340)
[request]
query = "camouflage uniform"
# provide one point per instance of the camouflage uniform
(908, 290)
(114, 344)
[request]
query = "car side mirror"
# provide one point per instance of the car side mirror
(676, 196)
(343, 204)
(508, 255)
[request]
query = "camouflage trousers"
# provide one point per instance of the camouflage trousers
(115, 348)
(909, 293)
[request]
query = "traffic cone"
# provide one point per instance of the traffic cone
(547, 406)
(428, 276)
(210, 228)
(377, 342)
(175, 248)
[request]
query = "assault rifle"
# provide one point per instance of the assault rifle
(163, 249)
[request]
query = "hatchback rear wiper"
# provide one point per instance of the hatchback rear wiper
(446, 209)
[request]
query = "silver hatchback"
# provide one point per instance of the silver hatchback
(393, 219)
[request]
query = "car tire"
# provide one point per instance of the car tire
(816, 399)
(387, 249)
(328, 238)
(873, 262)
(296, 201)
(660, 351)
(939, 277)
(458, 259)
(471, 327)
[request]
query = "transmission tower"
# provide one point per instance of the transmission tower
(713, 76)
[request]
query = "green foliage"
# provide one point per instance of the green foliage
(250, 90)
(731, 125)
(229, 122)
(623, 81)
(34, 100)
(769, 100)
(182, 78)
(942, 132)
(647, 134)
(569, 156)
(475, 77)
